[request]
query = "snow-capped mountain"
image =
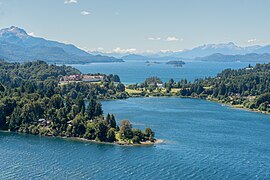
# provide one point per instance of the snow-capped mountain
(224, 48)
(17, 45)
(200, 51)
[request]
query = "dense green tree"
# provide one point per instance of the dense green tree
(80, 103)
(68, 103)
(149, 134)
(98, 110)
(120, 87)
(56, 101)
(108, 119)
(263, 99)
(139, 134)
(78, 126)
(101, 131)
(112, 122)
(90, 131)
(15, 119)
(116, 78)
(3, 124)
(90, 111)
(153, 80)
(2, 88)
(126, 130)
(136, 140)
(111, 135)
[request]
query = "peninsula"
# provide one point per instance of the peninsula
(34, 101)
(42, 99)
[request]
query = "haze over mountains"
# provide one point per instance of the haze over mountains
(224, 52)
(224, 48)
(17, 45)
(251, 57)
(212, 52)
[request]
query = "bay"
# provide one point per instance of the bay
(203, 140)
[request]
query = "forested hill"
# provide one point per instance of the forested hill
(33, 101)
(16, 74)
(248, 87)
(249, 81)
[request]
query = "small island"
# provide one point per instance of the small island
(49, 100)
(152, 63)
(176, 63)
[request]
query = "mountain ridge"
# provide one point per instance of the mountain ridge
(222, 48)
(251, 57)
(200, 51)
(17, 45)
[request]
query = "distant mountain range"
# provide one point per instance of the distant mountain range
(224, 48)
(209, 49)
(212, 52)
(17, 45)
(252, 57)
(226, 52)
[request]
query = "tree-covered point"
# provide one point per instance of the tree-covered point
(247, 87)
(16, 74)
(32, 101)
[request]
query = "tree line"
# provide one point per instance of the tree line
(247, 87)
(32, 101)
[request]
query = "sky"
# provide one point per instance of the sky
(141, 25)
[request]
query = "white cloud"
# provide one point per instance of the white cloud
(147, 51)
(172, 38)
(70, 1)
(65, 42)
(252, 40)
(129, 51)
(116, 50)
(122, 51)
(169, 50)
(169, 38)
(154, 39)
(117, 13)
(99, 49)
(165, 50)
(31, 34)
(85, 13)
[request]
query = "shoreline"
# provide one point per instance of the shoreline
(207, 99)
(247, 109)
(147, 143)
(78, 139)
(234, 106)
(239, 108)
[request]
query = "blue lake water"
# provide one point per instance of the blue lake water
(203, 140)
(138, 71)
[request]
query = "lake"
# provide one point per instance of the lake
(137, 71)
(203, 140)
